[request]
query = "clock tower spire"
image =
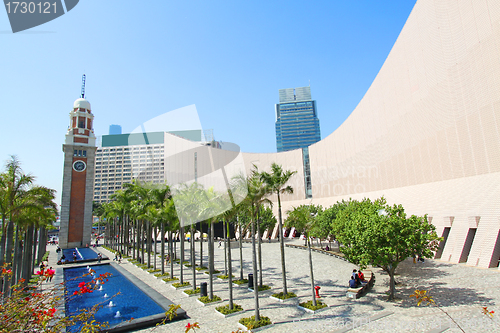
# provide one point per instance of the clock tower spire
(78, 176)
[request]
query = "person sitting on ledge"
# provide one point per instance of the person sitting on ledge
(362, 277)
(327, 248)
(356, 277)
(352, 283)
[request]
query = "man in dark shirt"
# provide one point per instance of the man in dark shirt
(352, 282)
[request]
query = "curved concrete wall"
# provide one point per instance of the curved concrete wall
(427, 132)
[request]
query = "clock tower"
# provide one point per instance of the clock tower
(78, 176)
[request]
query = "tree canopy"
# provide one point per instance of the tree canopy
(375, 233)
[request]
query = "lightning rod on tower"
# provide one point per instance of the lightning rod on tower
(83, 86)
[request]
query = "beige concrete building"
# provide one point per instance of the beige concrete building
(427, 132)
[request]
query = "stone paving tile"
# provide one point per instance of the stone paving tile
(459, 289)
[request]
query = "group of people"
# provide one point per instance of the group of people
(118, 257)
(50, 271)
(357, 279)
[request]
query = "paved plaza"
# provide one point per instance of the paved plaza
(460, 290)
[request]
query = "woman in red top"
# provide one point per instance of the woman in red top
(361, 276)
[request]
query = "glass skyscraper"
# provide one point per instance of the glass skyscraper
(297, 123)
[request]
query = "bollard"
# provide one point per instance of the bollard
(317, 288)
(203, 289)
(250, 281)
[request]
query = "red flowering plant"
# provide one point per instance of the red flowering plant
(31, 309)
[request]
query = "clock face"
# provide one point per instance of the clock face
(79, 166)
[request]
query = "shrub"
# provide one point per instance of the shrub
(280, 295)
(160, 274)
(206, 299)
(179, 285)
(192, 292)
(226, 310)
(263, 287)
(309, 305)
(240, 282)
(224, 277)
(214, 272)
(251, 323)
(201, 268)
(28, 310)
(171, 279)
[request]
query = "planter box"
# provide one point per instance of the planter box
(211, 303)
(191, 295)
(312, 311)
(229, 315)
(263, 291)
(177, 288)
(244, 328)
(291, 300)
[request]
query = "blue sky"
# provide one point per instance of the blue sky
(145, 58)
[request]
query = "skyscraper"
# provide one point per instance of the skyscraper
(297, 123)
(115, 129)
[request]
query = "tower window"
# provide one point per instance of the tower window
(75, 153)
(84, 153)
(81, 122)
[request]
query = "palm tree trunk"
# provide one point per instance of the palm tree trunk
(162, 251)
(16, 267)
(27, 255)
(182, 255)
(10, 243)
(201, 244)
(2, 242)
(155, 241)
(254, 264)
(33, 250)
(225, 251)
(241, 251)
(149, 246)
(311, 268)
(282, 246)
(260, 251)
(193, 258)
(211, 260)
(142, 241)
(230, 273)
(42, 244)
(171, 254)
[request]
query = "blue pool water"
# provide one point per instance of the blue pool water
(131, 302)
(82, 253)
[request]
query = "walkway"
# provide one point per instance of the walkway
(459, 289)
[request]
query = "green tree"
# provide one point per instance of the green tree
(18, 197)
(276, 183)
(377, 234)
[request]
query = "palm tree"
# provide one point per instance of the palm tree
(255, 190)
(228, 217)
(17, 193)
(41, 214)
(303, 219)
(189, 201)
(276, 183)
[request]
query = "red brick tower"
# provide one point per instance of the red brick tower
(78, 176)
